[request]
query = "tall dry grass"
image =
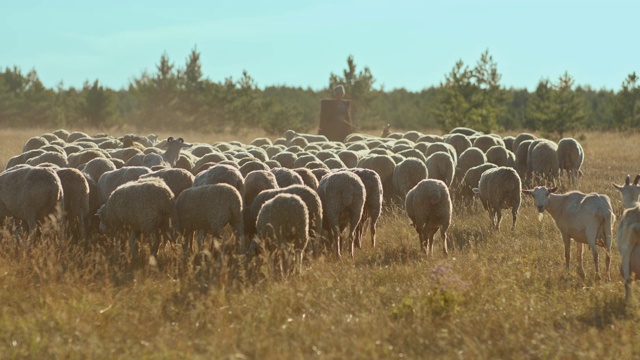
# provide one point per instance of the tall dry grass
(498, 294)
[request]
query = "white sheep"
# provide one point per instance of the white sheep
(585, 218)
(428, 206)
(627, 237)
(209, 208)
(499, 189)
(407, 174)
(30, 194)
(471, 179)
(141, 207)
(286, 177)
(570, 158)
(76, 199)
(283, 223)
(177, 179)
(110, 180)
(255, 182)
(221, 174)
(169, 157)
(372, 205)
(343, 196)
(542, 161)
(98, 166)
(441, 166)
(308, 195)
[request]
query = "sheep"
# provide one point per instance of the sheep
(285, 158)
(585, 218)
(384, 166)
(84, 156)
(464, 131)
(372, 205)
(444, 147)
(35, 142)
(307, 177)
(30, 194)
(484, 142)
(508, 142)
(208, 208)
(98, 166)
(141, 207)
(630, 193)
(309, 196)
(61, 134)
(471, 179)
(428, 206)
(498, 189)
(76, 199)
(468, 159)
(542, 161)
(257, 181)
(23, 158)
(176, 179)
(570, 158)
(252, 165)
(284, 222)
(459, 142)
(441, 166)
(286, 177)
(407, 174)
(343, 196)
(110, 180)
(221, 173)
(290, 134)
(627, 237)
(520, 138)
(498, 155)
(521, 154)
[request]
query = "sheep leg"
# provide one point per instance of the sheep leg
(155, 243)
(498, 218)
(514, 217)
(187, 238)
(358, 234)
(443, 232)
(335, 235)
(580, 265)
(373, 233)
(200, 240)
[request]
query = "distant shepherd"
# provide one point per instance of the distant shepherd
(335, 116)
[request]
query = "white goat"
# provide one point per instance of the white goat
(586, 218)
(628, 235)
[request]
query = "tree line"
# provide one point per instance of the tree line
(173, 95)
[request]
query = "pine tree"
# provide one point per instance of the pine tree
(626, 104)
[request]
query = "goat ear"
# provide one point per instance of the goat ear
(170, 139)
(526, 191)
(181, 140)
(553, 189)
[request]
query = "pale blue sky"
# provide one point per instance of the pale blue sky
(406, 44)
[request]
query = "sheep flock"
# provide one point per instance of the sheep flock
(301, 190)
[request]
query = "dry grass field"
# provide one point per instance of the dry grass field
(497, 295)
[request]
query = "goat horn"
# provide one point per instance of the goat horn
(635, 181)
(627, 180)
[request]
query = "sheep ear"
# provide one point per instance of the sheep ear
(526, 191)
(181, 140)
(170, 139)
(619, 187)
(476, 191)
(553, 189)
